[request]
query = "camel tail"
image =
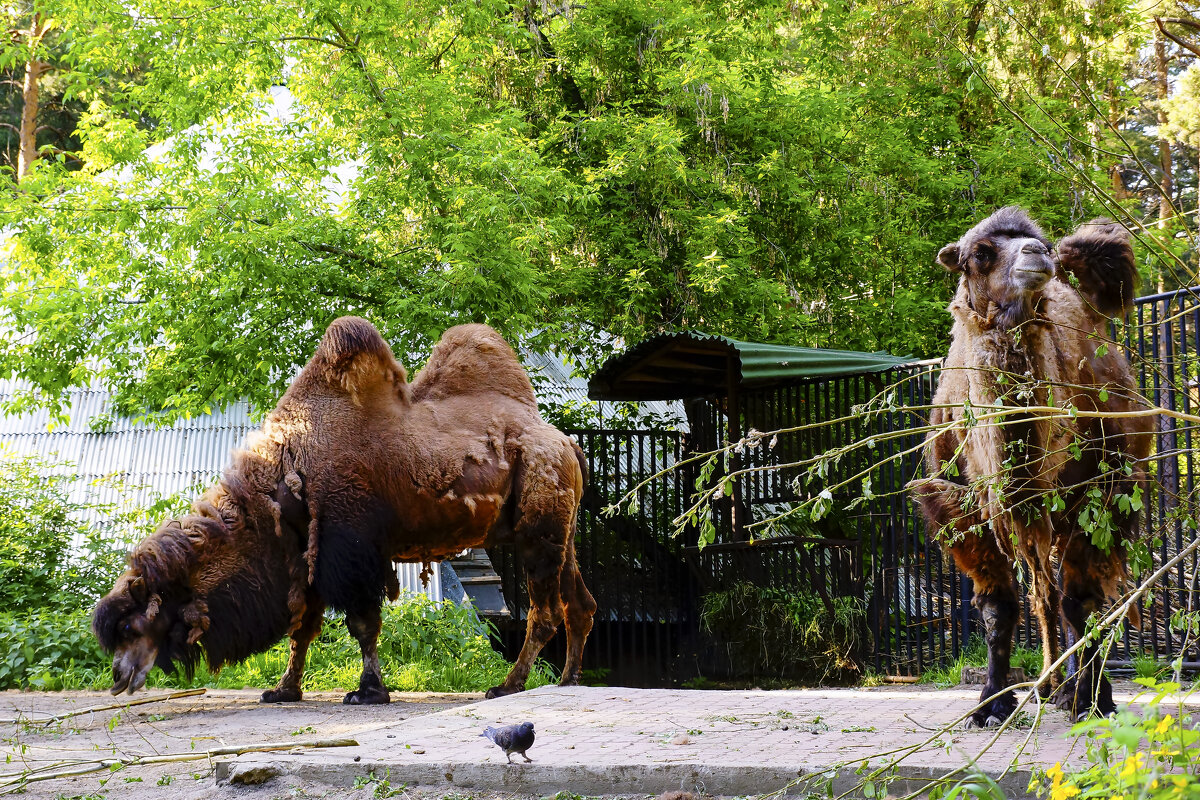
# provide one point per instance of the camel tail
(581, 458)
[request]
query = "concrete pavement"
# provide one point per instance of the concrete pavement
(605, 741)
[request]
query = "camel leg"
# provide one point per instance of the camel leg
(977, 554)
(1084, 570)
(548, 485)
(545, 614)
(364, 627)
(996, 598)
(580, 608)
(289, 689)
(1044, 598)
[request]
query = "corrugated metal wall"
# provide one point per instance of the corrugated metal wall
(151, 463)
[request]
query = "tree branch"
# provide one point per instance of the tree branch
(351, 46)
(1163, 29)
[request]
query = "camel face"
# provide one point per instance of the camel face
(1005, 261)
(131, 625)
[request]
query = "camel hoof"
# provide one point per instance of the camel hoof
(995, 712)
(367, 697)
(500, 691)
(990, 721)
(281, 695)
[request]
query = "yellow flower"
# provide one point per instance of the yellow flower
(1162, 725)
(1133, 764)
(1063, 791)
(1055, 773)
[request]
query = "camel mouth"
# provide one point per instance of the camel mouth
(130, 669)
(119, 684)
(1033, 277)
(1039, 270)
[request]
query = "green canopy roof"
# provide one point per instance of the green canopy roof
(673, 366)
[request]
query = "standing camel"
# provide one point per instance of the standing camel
(354, 469)
(1031, 330)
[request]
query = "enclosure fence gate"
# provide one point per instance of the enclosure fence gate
(649, 584)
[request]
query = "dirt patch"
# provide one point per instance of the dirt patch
(218, 718)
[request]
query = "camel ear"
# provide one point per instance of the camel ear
(948, 257)
(137, 589)
(153, 607)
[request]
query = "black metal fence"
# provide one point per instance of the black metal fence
(649, 584)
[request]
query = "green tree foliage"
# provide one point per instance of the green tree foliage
(772, 172)
(49, 558)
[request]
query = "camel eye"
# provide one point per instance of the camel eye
(983, 256)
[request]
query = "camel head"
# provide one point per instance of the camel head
(151, 616)
(1005, 261)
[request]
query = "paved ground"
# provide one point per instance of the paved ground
(590, 741)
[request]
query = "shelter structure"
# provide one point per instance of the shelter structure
(731, 387)
(654, 584)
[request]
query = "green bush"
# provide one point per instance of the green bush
(975, 654)
(424, 646)
(49, 558)
(51, 650)
(1143, 751)
(771, 632)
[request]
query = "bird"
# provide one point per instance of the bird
(512, 739)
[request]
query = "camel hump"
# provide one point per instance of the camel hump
(473, 359)
(352, 355)
(1100, 255)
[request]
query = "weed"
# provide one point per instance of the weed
(165, 780)
(772, 632)
(699, 682)
(975, 655)
(1147, 666)
(872, 678)
(380, 787)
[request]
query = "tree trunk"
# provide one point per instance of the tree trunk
(1168, 439)
(34, 69)
(1115, 172)
(1162, 90)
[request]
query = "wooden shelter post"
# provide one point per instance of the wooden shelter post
(733, 408)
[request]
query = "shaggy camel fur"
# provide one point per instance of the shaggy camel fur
(1015, 487)
(356, 468)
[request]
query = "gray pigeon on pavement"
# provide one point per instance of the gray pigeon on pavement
(512, 739)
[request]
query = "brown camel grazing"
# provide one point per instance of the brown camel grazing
(1019, 486)
(356, 468)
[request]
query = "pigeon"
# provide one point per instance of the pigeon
(512, 739)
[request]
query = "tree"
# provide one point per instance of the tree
(566, 173)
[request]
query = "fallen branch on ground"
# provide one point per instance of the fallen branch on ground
(16, 781)
(20, 719)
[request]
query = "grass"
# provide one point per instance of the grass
(424, 646)
(975, 655)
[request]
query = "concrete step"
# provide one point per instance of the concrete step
(481, 583)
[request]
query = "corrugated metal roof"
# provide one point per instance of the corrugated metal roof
(556, 384)
(693, 364)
